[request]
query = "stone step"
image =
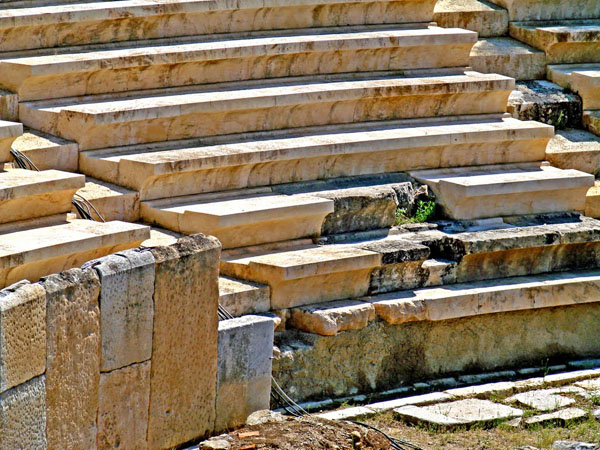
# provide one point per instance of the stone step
(47, 151)
(26, 194)
(575, 149)
(305, 274)
(507, 190)
(581, 78)
(485, 18)
(550, 9)
(241, 218)
(242, 297)
(458, 301)
(9, 131)
(233, 162)
(189, 60)
(34, 253)
(591, 121)
(111, 201)
(198, 111)
(508, 57)
(564, 42)
(78, 23)
(592, 202)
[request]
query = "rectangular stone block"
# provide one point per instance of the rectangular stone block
(22, 333)
(244, 374)
(183, 378)
(126, 307)
(23, 416)
(123, 407)
(73, 359)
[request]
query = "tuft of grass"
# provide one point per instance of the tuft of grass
(424, 212)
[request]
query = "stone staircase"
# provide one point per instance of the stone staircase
(293, 130)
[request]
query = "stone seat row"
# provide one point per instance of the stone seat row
(31, 24)
(297, 274)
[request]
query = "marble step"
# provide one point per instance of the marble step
(241, 218)
(507, 190)
(564, 42)
(158, 63)
(31, 254)
(480, 16)
(508, 57)
(54, 25)
(47, 151)
(233, 162)
(581, 78)
(258, 105)
(550, 9)
(9, 131)
(450, 302)
(26, 194)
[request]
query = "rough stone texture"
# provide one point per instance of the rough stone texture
(183, 376)
(330, 318)
(123, 407)
(575, 149)
(563, 416)
(462, 412)
(9, 106)
(22, 334)
(545, 102)
(311, 366)
(425, 399)
(23, 416)
(126, 307)
(570, 445)
(244, 374)
(73, 358)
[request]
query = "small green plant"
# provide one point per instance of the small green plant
(424, 212)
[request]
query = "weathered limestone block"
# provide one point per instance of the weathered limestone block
(73, 358)
(123, 407)
(22, 334)
(9, 106)
(126, 307)
(244, 376)
(509, 57)
(183, 375)
(545, 102)
(240, 297)
(328, 319)
(575, 149)
(382, 356)
(475, 15)
(23, 416)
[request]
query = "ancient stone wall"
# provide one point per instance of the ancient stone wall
(123, 353)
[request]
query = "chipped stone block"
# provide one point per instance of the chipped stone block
(22, 334)
(9, 106)
(126, 307)
(23, 416)
(328, 319)
(244, 376)
(183, 375)
(546, 102)
(425, 399)
(123, 407)
(73, 358)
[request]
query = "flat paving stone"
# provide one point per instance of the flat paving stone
(564, 415)
(542, 400)
(571, 445)
(591, 385)
(462, 412)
